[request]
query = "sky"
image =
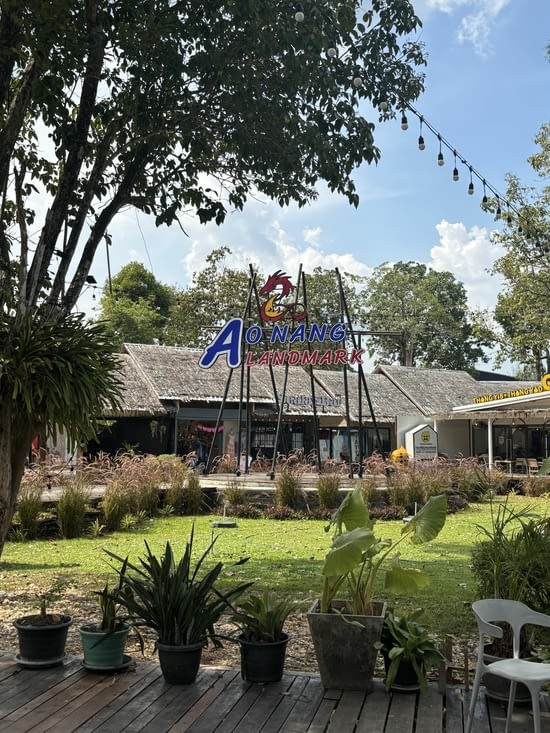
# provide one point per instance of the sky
(486, 92)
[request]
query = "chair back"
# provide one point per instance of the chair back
(490, 611)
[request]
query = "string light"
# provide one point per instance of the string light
(440, 158)
(332, 53)
(404, 122)
(455, 169)
(471, 184)
(299, 14)
(421, 143)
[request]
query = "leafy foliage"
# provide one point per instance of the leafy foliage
(356, 555)
(405, 639)
(409, 298)
(261, 616)
(171, 597)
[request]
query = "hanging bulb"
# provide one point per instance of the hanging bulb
(508, 219)
(455, 174)
(332, 52)
(404, 122)
(498, 212)
(357, 81)
(471, 188)
(421, 143)
(383, 106)
(440, 158)
(520, 229)
(299, 14)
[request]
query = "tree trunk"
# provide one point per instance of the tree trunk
(14, 448)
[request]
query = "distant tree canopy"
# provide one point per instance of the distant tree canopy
(142, 310)
(429, 310)
(522, 314)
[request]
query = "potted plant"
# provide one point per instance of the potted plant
(261, 618)
(104, 641)
(179, 601)
(409, 652)
(42, 636)
(344, 630)
(512, 561)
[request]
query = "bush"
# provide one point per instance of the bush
(192, 495)
(29, 506)
(72, 506)
(535, 485)
(234, 494)
(287, 488)
(117, 502)
(328, 486)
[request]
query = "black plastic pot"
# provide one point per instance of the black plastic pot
(262, 661)
(180, 664)
(406, 679)
(41, 644)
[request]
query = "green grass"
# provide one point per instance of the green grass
(283, 555)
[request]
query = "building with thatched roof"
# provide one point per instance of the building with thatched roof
(171, 405)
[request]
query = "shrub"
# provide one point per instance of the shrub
(29, 506)
(192, 496)
(328, 486)
(117, 502)
(287, 487)
(234, 494)
(535, 485)
(72, 506)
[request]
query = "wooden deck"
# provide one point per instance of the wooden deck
(67, 699)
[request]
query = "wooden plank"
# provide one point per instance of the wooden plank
(481, 717)
(219, 708)
(456, 710)
(347, 712)
(306, 707)
(285, 703)
(174, 699)
(401, 713)
(25, 684)
(269, 697)
(187, 705)
(375, 711)
(146, 674)
(231, 721)
(41, 713)
(218, 688)
(323, 716)
(90, 702)
(429, 713)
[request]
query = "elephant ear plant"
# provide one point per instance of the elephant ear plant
(353, 561)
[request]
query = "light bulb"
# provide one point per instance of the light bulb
(299, 16)
(455, 174)
(440, 159)
(383, 106)
(332, 52)
(404, 122)
(421, 143)
(357, 81)
(471, 188)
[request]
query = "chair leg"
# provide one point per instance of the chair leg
(511, 699)
(535, 697)
(473, 700)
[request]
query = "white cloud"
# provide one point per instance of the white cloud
(477, 21)
(469, 255)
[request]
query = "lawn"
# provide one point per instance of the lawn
(285, 555)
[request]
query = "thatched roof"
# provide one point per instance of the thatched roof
(137, 399)
(173, 374)
(387, 400)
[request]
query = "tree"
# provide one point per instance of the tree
(521, 313)
(429, 310)
(135, 306)
(174, 107)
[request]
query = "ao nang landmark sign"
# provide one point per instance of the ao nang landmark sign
(278, 333)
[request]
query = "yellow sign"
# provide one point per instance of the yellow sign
(544, 386)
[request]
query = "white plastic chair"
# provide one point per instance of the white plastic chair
(532, 674)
